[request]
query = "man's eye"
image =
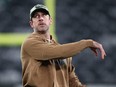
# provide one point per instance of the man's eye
(35, 16)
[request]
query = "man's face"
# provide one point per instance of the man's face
(40, 22)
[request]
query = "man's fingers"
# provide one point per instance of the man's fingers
(94, 50)
(103, 53)
(99, 46)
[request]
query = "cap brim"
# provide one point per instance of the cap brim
(39, 10)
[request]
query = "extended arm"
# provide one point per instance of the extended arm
(44, 51)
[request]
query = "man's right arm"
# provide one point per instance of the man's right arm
(44, 51)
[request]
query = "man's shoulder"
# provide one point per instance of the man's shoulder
(31, 41)
(32, 37)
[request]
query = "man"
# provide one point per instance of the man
(46, 63)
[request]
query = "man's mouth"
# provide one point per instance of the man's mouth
(41, 23)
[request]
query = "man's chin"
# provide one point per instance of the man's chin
(42, 31)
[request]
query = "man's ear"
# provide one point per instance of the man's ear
(31, 23)
(50, 20)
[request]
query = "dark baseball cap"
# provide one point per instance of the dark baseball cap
(39, 8)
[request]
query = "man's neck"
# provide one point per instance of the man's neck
(46, 35)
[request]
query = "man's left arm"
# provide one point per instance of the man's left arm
(73, 78)
(74, 81)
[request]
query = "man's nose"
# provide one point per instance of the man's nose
(40, 18)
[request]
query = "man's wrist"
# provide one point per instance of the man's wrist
(88, 42)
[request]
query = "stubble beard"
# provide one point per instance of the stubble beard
(42, 30)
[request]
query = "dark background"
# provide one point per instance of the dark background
(75, 20)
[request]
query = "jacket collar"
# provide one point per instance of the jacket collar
(41, 36)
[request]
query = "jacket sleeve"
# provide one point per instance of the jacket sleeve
(44, 51)
(73, 79)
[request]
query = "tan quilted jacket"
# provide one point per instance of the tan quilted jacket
(48, 64)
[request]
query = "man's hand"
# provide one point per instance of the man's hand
(98, 46)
